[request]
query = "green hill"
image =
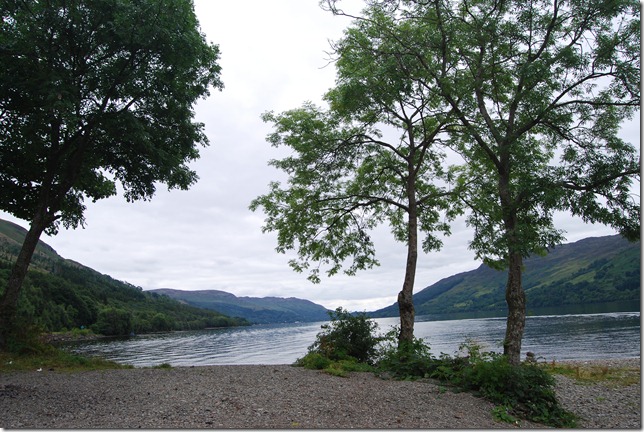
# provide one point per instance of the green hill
(591, 271)
(60, 294)
(260, 310)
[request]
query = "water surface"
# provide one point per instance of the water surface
(550, 337)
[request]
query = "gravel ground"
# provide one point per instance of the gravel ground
(603, 405)
(272, 396)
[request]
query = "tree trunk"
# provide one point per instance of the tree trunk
(515, 298)
(514, 294)
(405, 297)
(9, 299)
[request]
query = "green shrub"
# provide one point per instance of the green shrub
(347, 344)
(317, 361)
(347, 336)
(524, 390)
(163, 366)
(313, 360)
(408, 360)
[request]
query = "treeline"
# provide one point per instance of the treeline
(66, 296)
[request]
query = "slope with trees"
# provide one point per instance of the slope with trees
(94, 94)
(593, 271)
(60, 294)
(260, 310)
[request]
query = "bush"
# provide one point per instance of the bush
(313, 360)
(347, 336)
(408, 360)
(524, 390)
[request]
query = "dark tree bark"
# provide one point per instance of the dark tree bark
(515, 298)
(405, 297)
(514, 294)
(9, 299)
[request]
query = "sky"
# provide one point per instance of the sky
(274, 57)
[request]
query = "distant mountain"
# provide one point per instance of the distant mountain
(261, 310)
(591, 271)
(62, 294)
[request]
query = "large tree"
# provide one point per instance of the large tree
(540, 89)
(94, 93)
(373, 156)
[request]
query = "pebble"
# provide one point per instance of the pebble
(275, 396)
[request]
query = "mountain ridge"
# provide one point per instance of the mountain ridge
(591, 270)
(262, 310)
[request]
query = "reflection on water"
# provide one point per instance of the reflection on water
(558, 337)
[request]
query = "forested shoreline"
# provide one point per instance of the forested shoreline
(70, 297)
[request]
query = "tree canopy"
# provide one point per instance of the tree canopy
(93, 94)
(538, 90)
(372, 157)
(97, 93)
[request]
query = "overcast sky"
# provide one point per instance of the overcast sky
(273, 57)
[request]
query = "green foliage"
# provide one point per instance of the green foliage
(347, 336)
(519, 391)
(539, 91)
(347, 344)
(163, 366)
(404, 359)
(372, 157)
(46, 357)
(95, 93)
(113, 322)
(317, 361)
(524, 390)
(313, 360)
(502, 413)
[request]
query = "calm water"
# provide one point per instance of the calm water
(552, 337)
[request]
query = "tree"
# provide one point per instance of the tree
(93, 94)
(372, 157)
(540, 89)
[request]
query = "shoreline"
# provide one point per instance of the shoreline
(278, 396)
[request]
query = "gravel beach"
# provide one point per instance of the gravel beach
(275, 396)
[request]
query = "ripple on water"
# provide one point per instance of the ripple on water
(554, 337)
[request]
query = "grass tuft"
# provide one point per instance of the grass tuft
(591, 374)
(53, 359)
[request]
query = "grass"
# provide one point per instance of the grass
(593, 374)
(54, 359)
(340, 368)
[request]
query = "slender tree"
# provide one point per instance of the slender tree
(373, 157)
(540, 89)
(91, 94)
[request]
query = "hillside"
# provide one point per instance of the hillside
(261, 310)
(60, 294)
(590, 271)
